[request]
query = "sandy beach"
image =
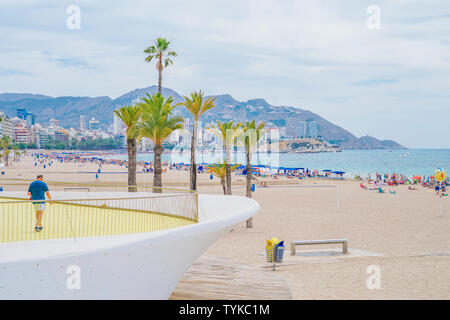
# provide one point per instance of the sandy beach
(404, 234)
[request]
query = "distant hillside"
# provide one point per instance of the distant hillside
(68, 110)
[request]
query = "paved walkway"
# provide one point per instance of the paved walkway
(218, 278)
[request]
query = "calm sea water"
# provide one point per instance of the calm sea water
(409, 162)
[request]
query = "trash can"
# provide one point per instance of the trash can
(210, 177)
(269, 251)
(279, 248)
(253, 187)
(1, 188)
(99, 170)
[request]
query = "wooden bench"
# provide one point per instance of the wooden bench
(327, 241)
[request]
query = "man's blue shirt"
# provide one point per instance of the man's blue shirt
(37, 189)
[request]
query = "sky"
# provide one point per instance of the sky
(382, 71)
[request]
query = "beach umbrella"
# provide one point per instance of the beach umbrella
(440, 175)
(327, 170)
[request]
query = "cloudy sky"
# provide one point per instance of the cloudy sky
(391, 82)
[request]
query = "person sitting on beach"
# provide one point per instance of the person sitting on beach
(37, 191)
(363, 186)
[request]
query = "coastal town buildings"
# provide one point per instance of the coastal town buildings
(6, 126)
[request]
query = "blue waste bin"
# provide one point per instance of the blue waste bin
(279, 251)
(211, 177)
(1, 188)
(253, 187)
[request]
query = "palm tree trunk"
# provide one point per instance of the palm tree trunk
(157, 181)
(249, 179)
(131, 165)
(249, 171)
(228, 169)
(222, 181)
(193, 160)
(160, 74)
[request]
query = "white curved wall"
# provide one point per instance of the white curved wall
(140, 266)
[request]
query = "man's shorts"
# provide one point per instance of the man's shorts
(39, 206)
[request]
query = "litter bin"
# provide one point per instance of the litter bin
(269, 251)
(279, 249)
(210, 177)
(1, 188)
(274, 251)
(253, 187)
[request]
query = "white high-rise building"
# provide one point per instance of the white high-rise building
(94, 124)
(313, 129)
(301, 129)
(117, 125)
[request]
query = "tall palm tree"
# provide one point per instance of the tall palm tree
(162, 53)
(219, 170)
(15, 148)
(130, 116)
(197, 107)
(228, 132)
(252, 134)
(157, 123)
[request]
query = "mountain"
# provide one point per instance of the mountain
(68, 110)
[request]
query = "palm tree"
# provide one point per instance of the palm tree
(6, 153)
(162, 53)
(228, 132)
(219, 170)
(15, 148)
(5, 141)
(252, 134)
(197, 107)
(157, 123)
(130, 116)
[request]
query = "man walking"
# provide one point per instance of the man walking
(37, 191)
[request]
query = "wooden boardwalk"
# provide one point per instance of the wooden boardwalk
(218, 278)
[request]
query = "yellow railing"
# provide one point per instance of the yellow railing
(76, 218)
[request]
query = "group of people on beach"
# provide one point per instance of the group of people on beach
(395, 179)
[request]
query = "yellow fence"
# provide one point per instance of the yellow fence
(77, 218)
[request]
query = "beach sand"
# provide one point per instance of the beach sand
(403, 234)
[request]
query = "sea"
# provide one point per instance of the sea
(409, 162)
